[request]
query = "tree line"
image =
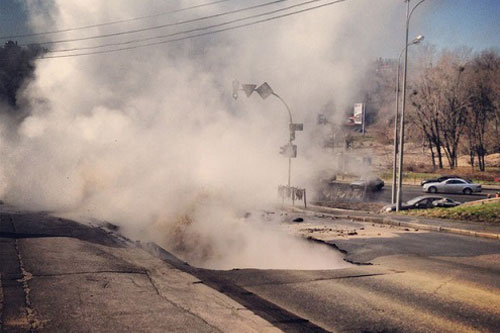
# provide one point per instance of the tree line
(16, 67)
(455, 105)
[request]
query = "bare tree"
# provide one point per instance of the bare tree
(483, 107)
(455, 98)
(495, 87)
(440, 100)
(427, 106)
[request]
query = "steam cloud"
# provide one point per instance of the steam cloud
(151, 138)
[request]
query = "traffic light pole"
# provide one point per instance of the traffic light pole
(265, 91)
(290, 138)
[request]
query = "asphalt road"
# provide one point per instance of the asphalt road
(404, 281)
(57, 275)
(410, 191)
(342, 191)
(60, 275)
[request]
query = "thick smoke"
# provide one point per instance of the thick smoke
(151, 139)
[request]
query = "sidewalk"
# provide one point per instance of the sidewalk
(59, 275)
(475, 229)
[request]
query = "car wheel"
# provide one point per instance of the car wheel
(433, 189)
(467, 191)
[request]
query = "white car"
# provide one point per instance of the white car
(453, 185)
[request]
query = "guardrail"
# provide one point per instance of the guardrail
(292, 193)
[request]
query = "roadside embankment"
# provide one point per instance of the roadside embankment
(475, 229)
(473, 212)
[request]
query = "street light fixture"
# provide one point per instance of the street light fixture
(417, 40)
(264, 91)
(402, 123)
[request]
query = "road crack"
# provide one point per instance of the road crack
(184, 308)
(31, 315)
(333, 245)
(317, 280)
(442, 285)
(89, 272)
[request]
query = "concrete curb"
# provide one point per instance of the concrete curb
(393, 222)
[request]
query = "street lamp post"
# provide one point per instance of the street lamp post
(264, 91)
(417, 40)
(402, 123)
(290, 141)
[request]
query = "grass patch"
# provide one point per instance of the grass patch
(484, 212)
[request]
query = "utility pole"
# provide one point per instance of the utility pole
(403, 106)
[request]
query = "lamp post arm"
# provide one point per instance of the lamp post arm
(290, 139)
(286, 106)
(267, 90)
(401, 54)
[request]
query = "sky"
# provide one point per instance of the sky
(444, 23)
(455, 23)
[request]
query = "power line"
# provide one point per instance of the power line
(200, 34)
(98, 25)
(128, 32)
(185, 31)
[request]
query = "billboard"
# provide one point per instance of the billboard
(359, 110)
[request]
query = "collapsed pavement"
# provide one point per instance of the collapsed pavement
(59, 275)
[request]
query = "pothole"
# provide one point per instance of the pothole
(258, 241)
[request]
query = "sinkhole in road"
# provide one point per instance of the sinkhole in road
(258, 241)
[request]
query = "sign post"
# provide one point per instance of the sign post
(360, 115)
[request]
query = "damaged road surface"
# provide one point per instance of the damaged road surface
(58, 275)
(61, 276)
(415, 281)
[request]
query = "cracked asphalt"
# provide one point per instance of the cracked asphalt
(406, 280)
(59, 276)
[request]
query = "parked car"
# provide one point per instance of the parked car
(453, 185)
(442, 178)
(424, 202)
(369, 183)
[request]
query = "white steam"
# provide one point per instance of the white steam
(151, 138)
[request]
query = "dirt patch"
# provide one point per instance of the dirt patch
(358, 206)
(324, 230)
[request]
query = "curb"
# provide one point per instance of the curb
(393, 222)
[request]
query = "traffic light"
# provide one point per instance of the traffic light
(236, 86)
(295, 127)
(289, 150)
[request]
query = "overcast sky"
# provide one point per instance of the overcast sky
(445, 23)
